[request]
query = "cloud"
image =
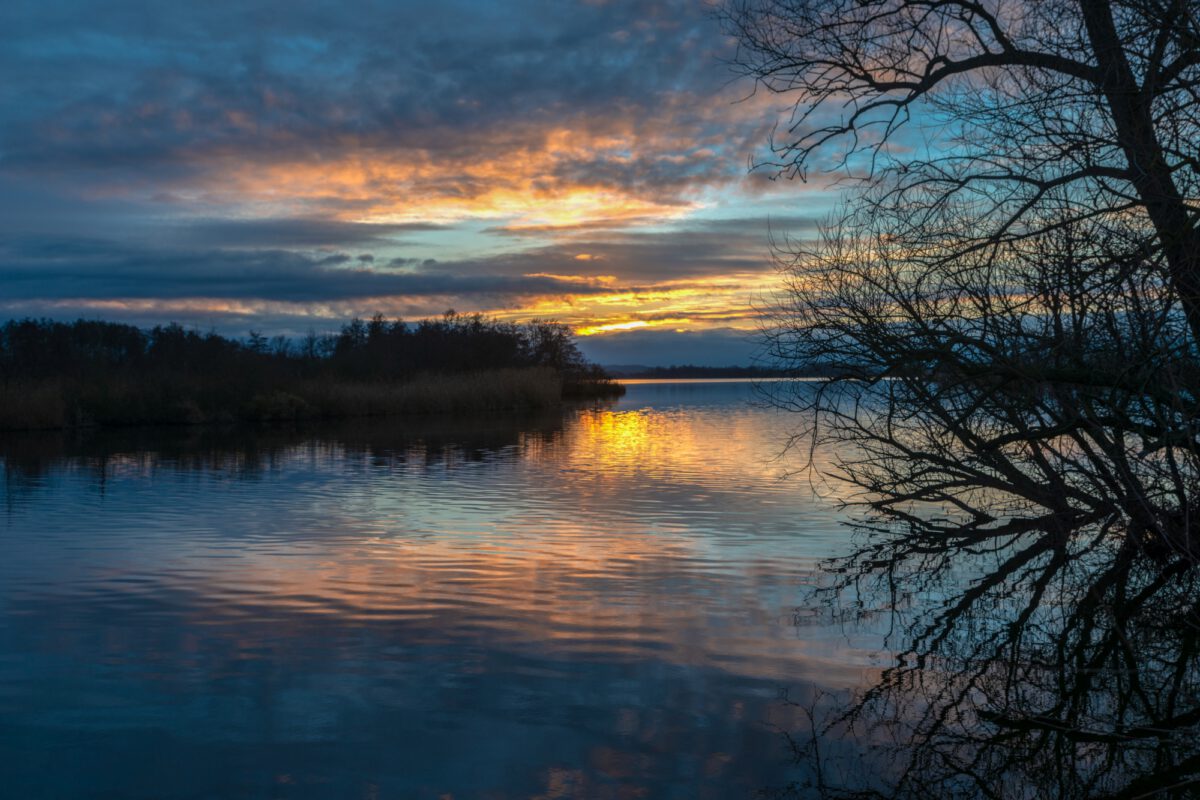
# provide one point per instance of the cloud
(278, 162)
(541, 113)
(94, 269)
(299, 232)
(703, 275)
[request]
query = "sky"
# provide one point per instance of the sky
(285, 166)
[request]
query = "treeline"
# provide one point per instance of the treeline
(55, 374)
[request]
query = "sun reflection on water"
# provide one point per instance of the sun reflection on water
(620, 579)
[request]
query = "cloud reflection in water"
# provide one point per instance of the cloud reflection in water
(590, 605)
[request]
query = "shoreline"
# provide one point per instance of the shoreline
(56, 404)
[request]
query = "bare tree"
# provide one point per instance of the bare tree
(1048, 384)
(1094, 100)
(1009, 303)
(1009, 317)
(1022, 427)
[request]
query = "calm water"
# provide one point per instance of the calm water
(599, 603)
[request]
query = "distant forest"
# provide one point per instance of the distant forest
(55, 374)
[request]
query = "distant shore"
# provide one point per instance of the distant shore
(99, 374)
(691, 372)
(58, 403)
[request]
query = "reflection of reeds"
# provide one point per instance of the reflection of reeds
(495, 390)
(114, 400)
(591, 388)
(590, 382)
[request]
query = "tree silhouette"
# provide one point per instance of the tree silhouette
(1009, 306)
(1096, 101)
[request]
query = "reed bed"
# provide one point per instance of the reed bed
(116, 401)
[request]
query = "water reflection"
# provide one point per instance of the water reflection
(1064, 665)
(591, 604)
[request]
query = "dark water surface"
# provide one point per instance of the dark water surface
(599, 603)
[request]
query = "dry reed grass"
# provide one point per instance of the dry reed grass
(61, 404)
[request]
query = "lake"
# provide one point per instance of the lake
(600, 602)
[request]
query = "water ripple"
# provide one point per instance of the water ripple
(604, 598)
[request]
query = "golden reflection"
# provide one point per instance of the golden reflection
(625, 536)
(731, 450)
(614, 438)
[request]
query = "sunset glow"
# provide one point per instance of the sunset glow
(368, 170)
(592, 330)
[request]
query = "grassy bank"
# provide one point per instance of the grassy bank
(187, 400)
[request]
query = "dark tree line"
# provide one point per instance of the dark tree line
(375, 349)
(453, 343)
(56, 375)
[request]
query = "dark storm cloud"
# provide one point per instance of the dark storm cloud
(177, 85)
(231, 260)
(92, 269)
(294, 232)
(696, 249)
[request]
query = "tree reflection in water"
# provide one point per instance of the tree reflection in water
(1068, 670)
(1022, 442)
(1044, 596)
(1014, 327)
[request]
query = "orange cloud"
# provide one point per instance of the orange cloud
(725, 301)
(537, 180)
(591, 330)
